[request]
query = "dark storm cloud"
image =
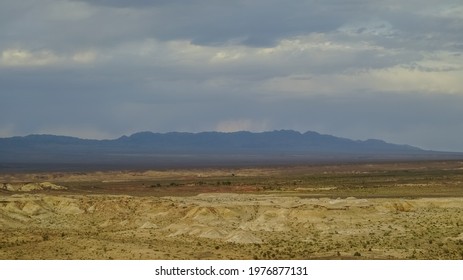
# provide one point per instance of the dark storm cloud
(262, 23)
(208, 22)
(128, 3)
(205, 22)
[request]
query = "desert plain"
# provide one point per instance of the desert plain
(404, 210)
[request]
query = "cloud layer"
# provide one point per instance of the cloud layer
(359, 69)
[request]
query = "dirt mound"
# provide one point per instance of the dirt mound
(269, 220)
(197, 230)
(24, 209)
(212, 216)
(214, 233)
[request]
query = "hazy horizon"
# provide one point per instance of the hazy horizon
(301, 133)
(388, 70)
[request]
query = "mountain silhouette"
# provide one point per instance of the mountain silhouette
(206, 148)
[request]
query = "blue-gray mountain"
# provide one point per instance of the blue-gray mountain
(205, 148)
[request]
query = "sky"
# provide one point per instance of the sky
(360, 69)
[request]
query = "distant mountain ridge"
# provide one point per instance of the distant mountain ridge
(148, 147)
(244, 141)
(217, 142)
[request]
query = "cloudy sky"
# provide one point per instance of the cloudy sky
(360, 69)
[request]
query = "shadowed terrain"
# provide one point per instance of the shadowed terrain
(147, 150)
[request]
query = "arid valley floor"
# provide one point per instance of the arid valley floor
(408, 210)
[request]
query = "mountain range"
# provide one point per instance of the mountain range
(177, 149)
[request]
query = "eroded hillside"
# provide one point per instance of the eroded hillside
(386, 211)
(228, 226)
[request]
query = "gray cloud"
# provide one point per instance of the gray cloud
(259, 23)
(129, 4)
(99, 24)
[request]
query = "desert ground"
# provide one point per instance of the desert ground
(408, 210)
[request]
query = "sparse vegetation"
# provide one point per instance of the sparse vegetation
(351, 211)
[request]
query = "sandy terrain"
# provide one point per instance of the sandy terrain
(214, 215)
